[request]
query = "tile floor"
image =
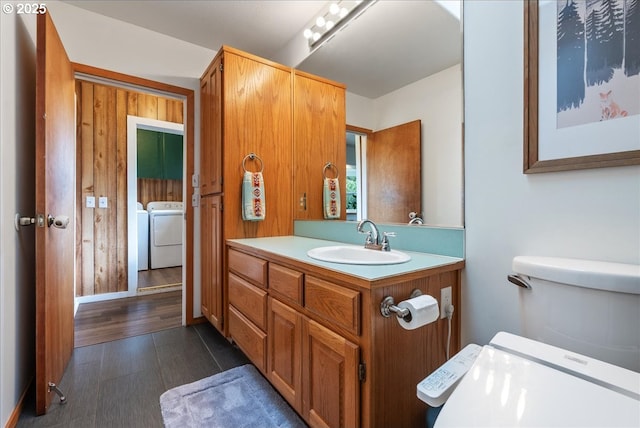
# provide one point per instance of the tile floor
(119, 383)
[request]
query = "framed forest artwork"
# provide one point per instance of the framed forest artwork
(582, 84)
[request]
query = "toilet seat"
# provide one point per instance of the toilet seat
(520, 382)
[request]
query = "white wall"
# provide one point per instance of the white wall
(590, 214)
(437, 101)
(17, 181)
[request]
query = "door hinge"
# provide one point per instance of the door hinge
(362, 372)
(221, 67)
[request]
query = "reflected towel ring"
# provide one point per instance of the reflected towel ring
(252, 156)
(329, 165)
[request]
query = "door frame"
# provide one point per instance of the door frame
(139, 83)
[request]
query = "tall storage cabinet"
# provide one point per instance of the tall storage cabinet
(319, 131)
(246, 107)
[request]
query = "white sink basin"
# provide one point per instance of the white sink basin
(355, 255)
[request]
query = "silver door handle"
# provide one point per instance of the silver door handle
(59, 221)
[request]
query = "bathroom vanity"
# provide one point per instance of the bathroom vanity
(316, 332)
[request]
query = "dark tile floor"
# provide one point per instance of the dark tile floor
(119, 383)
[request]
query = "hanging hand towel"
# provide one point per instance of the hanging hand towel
(331, 198)
(253, 206)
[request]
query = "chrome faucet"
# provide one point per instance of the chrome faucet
(415, 218)
(373, 236)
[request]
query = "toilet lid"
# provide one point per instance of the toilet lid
(506, 388)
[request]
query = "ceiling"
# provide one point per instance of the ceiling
(391, 44)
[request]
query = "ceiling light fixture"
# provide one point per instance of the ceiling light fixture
(332, 19)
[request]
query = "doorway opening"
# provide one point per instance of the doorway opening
(179, 103)
(155, 202)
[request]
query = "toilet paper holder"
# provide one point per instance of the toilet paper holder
(388, 305)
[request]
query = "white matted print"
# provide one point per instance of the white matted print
(589, 80)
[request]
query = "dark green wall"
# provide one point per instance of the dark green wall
(159, 155)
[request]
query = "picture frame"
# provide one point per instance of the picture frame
(531, 154)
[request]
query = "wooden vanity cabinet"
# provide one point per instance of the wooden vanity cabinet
(329, 351)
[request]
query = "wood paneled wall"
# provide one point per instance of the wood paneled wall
(150, 189)
(102, 171)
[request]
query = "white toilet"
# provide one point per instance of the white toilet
(582, 368)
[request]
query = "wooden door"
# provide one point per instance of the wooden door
(394, 177)
(211, 129)
(211, 264)
(55, 195)
(331, 390)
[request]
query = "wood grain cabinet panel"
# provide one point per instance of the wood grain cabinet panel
(211, 259)
(249, 338)
(248, 299)
(336, 304)
(331, 391)
(249, 267)
(211, 133)
(285, 352)
(286, 283)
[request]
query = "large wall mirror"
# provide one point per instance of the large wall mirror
(402, 62)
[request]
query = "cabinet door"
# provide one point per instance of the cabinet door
(331, 390)
(211, 264)
(211, 130)
(319, 137)
(285, 349)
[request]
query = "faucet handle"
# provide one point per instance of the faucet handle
(385, 240)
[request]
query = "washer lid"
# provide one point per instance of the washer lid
(511, 389)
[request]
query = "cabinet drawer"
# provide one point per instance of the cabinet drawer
(336, 304)
(248, 337)
(248, 299)
(286, 283)
(249, 267)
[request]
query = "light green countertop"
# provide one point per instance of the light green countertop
(296, 247)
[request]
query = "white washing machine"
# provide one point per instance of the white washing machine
(166, 220)
(143, 238)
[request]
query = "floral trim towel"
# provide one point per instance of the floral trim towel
(331, 198)
(253, 206)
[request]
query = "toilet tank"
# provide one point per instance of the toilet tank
(589, 307)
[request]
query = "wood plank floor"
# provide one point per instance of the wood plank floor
(99, 322)
(160, 277)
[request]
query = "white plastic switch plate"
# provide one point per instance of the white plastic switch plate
(445, 301)
(91, 201)
(102, 202)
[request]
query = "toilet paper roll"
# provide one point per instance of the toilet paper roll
(422, 309)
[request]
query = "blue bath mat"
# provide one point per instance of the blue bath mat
(239, 397)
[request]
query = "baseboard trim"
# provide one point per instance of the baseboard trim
(12, 422)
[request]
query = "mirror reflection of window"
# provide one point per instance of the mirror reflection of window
(356, 198)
